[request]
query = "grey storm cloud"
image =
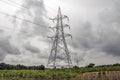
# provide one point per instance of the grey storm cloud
(101, 41)
(105, 37)
(7, 48)
(36, 10)
(24, 49)
(2, 54)
(111, 20)
(112, 48)
(31, 48)
(85, 38)
(37, 26)
(1, 30)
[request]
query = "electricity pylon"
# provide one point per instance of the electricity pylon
(59, 55)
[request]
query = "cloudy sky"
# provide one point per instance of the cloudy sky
(94, 27)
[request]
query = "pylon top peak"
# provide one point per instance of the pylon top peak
(59, 10)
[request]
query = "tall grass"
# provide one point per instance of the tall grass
(58, 74)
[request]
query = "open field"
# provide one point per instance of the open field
(96, 73)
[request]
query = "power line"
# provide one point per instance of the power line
(28, 8)
(21, 19)
(9, 3)
(6, 27)
(20, 6)
(17, 4)
(24, 6)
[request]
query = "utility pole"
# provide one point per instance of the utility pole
(59, 55)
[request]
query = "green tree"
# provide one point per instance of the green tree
(90, 65)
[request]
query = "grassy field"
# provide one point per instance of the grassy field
(36, 74)
(96, 73)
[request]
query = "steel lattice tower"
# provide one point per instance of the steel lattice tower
(59, 55)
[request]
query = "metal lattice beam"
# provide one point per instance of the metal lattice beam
(59, 55)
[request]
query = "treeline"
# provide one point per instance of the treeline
(4, 66)
(92, 65)
(108, 65)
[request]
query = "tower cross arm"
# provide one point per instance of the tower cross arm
(65, 17)
(51, 37)
(68, 35)
(53, 19)
(53, 28)
(66, 25)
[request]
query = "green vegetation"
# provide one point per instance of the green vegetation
(42, 74)
(51, 74)
(4, 66)
(54, 74)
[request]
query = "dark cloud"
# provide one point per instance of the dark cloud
(111, 34)
(112, 48)
(84, 36)
(106, 40)
(2, 54)
(103, 37)
(7, 48)
(31, 48)
(1, 30)
(36, 12)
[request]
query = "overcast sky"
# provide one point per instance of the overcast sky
(94, 26)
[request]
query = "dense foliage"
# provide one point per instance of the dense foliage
(4, 66)
(20, 72)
